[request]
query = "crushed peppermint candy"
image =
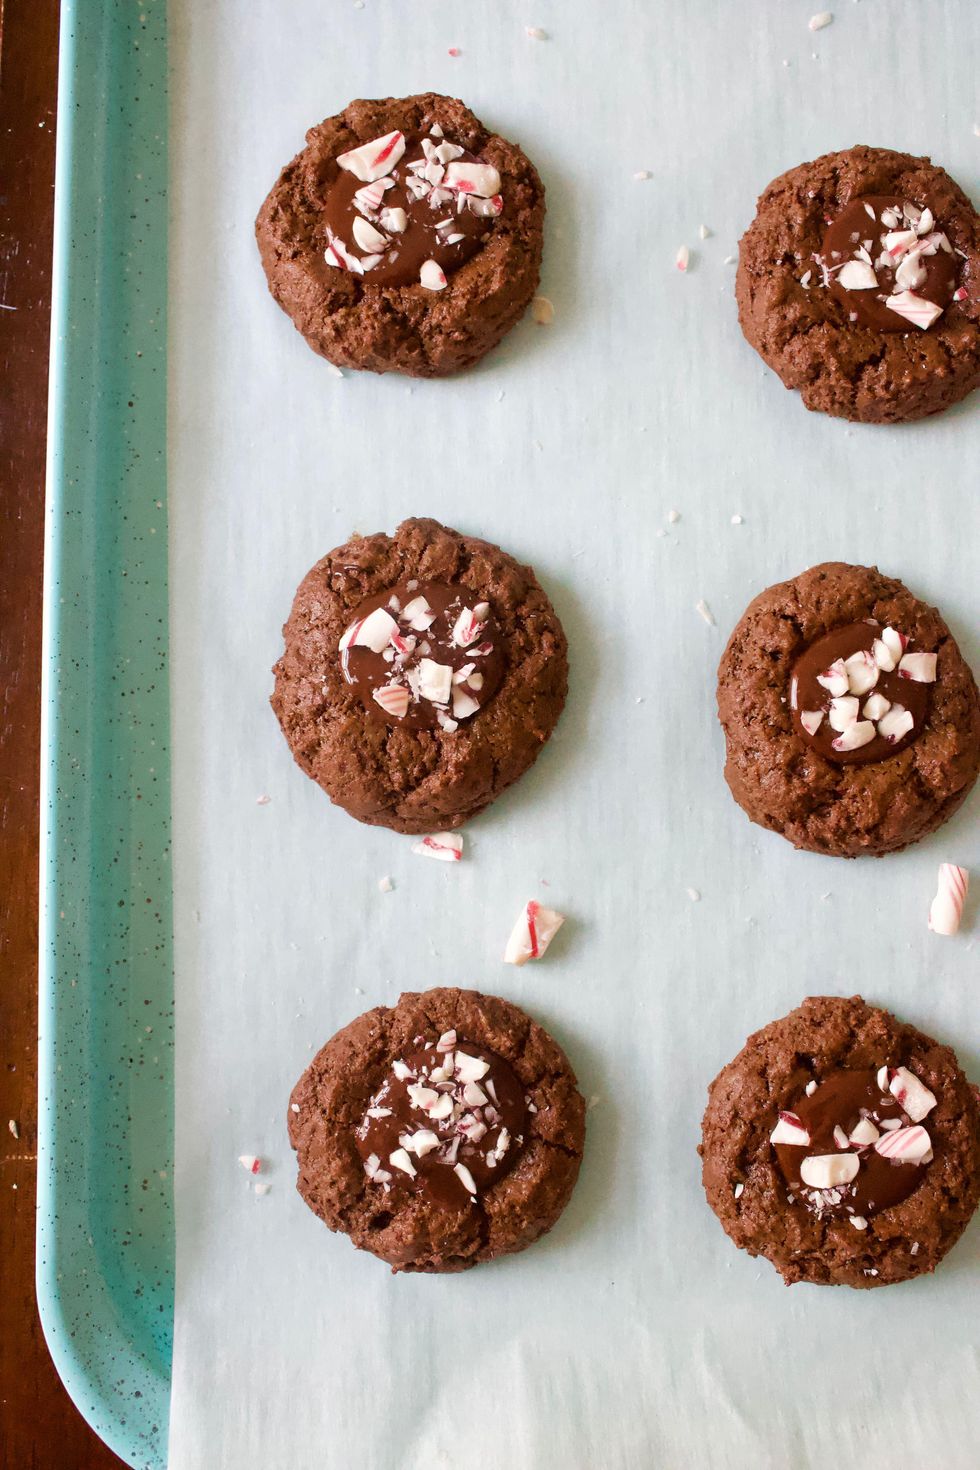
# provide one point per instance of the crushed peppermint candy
(423, 655)
(869, 699)
(683, 258)
(854, 1143)
(822, 19)
(888, 263)
(531, 935)
(445, 847)
(705, 612)
(250, 1163)
(946, 909)
(542, 311)
(449, 1119)
(408, 209)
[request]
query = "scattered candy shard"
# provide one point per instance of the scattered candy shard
(250, 1163)
(946, 908)
(445, 847)
(705, 611)
(683, 258)
(532, 934)
(542, 311)
(822, 19)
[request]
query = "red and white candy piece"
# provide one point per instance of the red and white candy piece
(875, 706)
(367, 237)
(446, 1042)
(435, 680)
(469, 1068)
(401, 1160)
(856, 275)
(418, 614)
(918, 666)
(912, 1096)
(466, 1179)
(375, 159)
(864, 1133)
(470, 624)
(856, 735)
(250, 1163)
(338, 256)
(368, 200)
(827, 1171)
(915, 309)
(858, 1221)
(835, 679)
(907, 1145)
(394, 220)
(843, 711)
(840, 1137)
(420, 1143)
(895, 723)
(372, 632)
(432, 276)
(533, 932)
(445, 847)
(888, 649)
(481, 179)
(683, 258)
(464, 704)
(394, 699)
(946, 908)
(862, 672)
(789, 1129)
(811, 720)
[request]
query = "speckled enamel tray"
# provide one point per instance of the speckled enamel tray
(105, 1216)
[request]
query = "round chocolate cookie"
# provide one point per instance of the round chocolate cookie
(859, 284)
(405, 237)
(843, 1146)
(852, 723)
(422, 674)
(439, 1133)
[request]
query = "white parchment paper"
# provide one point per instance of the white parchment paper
(635, 1335)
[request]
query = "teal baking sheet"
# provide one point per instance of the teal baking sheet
(105, 1212)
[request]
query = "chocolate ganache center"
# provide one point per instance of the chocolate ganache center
(408, 209)
(861, 692)
(448, 1120)
(423, 654)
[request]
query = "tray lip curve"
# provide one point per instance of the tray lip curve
(135, 1427)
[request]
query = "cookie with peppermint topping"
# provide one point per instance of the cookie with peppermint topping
(851, 718)
(440, 1132)
(406, 237)
(843, 1145)
(859, 284)
(422, 674)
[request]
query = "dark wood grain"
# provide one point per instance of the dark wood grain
(39, 1427)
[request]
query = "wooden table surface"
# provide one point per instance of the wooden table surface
(39, 1427)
